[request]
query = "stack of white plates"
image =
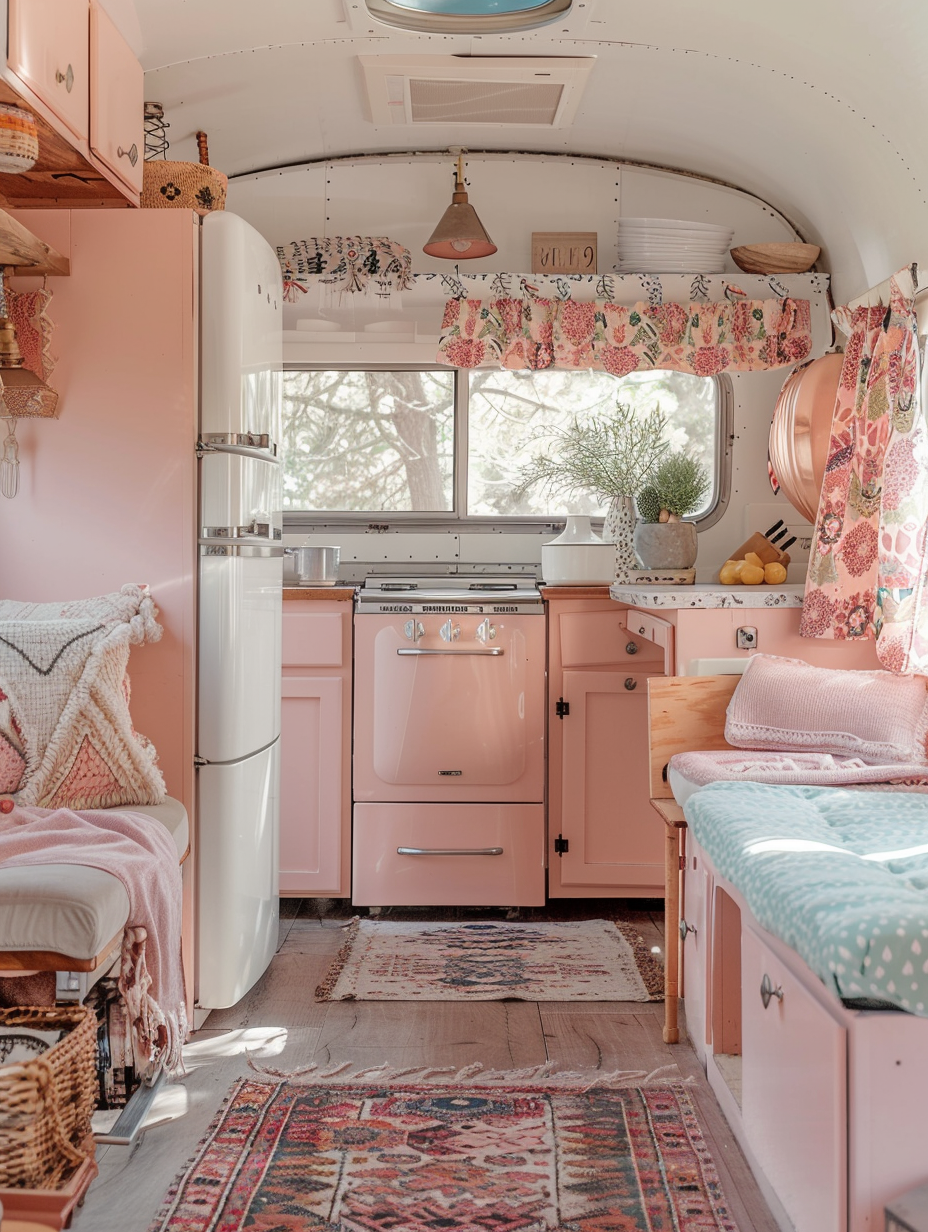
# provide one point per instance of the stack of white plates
(671, 246)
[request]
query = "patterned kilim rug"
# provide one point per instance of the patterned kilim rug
(402, 1156)
(487, 960)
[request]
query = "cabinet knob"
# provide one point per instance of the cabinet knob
(631, 683)
(631, 648)
(66, 78)
(768, 992)
(686, 928)
(132, 153)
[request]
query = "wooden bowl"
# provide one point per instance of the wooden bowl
(775, 258)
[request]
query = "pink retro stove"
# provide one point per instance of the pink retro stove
(449, 742)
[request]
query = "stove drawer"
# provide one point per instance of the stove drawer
(513, 876)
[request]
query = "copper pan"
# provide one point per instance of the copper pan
(801, 431)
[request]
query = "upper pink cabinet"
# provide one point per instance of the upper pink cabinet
(49, 50)
(116, 101)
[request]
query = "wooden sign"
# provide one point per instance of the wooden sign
(564, 252)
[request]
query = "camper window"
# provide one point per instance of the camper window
(436, 444)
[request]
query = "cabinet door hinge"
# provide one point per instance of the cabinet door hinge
(199, 761)
(681, 860)
(561, 845)
(562, 708)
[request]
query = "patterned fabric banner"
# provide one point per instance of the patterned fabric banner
(740, 335)
(867, 569)
(345, 263)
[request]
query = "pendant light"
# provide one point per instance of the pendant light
(460, 235)
(22, 392)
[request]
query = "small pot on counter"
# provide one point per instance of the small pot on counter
(315, 565)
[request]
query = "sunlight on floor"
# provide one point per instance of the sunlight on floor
(255, 1041)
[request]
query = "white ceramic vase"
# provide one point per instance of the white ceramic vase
(577, 557)
(619, 528)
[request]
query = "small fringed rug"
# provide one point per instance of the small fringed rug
(482, 1155)
(486, 960)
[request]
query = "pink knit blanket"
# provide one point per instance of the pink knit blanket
(813, 769)
(141, 853)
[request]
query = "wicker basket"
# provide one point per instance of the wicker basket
(169, 184)
(46, 1103)
(19, 140)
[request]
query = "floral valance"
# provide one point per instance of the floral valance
(703, 338)
(345, 263)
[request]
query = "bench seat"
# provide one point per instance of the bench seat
(840, 876)
(68, 909)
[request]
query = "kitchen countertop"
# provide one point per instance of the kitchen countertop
(343, 593)
(709, 595)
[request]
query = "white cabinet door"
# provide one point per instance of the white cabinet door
(794, 1099)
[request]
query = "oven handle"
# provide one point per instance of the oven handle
(496, 651)
(449, 851)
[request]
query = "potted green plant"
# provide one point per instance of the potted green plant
(662, 540)
(612, 456)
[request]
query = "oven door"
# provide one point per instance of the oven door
(449, 708)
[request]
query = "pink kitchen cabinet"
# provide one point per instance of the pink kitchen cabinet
(49, 51)
(116, 101)
(604, 839)
(315, 749)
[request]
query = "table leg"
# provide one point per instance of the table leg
(671, 933)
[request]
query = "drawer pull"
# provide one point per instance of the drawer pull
(132, 153)
(686, 928)
(768, 992)
(67, 78)
(495, 651)
(631, 683)
(631, 648)
(641, 631)
(449, 851)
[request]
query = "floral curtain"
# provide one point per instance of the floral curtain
(867, 570)
(739, 334)
(345, 263)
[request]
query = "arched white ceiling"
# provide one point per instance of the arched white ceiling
(816, 106)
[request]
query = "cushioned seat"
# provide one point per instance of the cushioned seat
(71, 909)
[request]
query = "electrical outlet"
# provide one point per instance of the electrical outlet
(746, 638)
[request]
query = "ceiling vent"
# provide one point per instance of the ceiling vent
(495, 91)
(468, 16)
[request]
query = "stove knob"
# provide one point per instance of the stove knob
(414, 629)
(485, 631)
(450, 632)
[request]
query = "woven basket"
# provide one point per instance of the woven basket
(19, 140)
(46, 1103)
(167, 184)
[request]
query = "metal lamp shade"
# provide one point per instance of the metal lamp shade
(460, 235)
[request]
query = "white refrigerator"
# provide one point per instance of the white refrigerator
(240, 583)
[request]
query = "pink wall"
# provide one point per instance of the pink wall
(711, 634)
(107, 491)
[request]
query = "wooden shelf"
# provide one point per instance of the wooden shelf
(30, 255)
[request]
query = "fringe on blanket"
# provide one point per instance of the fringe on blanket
(156, 1032)
(545, 1076)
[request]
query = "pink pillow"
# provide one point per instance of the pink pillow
(790, 705)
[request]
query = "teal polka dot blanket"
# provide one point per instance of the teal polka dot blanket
(840, 876)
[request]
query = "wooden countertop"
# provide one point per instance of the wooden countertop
(575, 592)
(343, 594)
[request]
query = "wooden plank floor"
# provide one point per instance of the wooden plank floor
(281, 1024)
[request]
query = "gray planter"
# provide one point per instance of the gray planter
(665, 545)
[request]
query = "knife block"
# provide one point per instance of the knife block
(762, 547)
